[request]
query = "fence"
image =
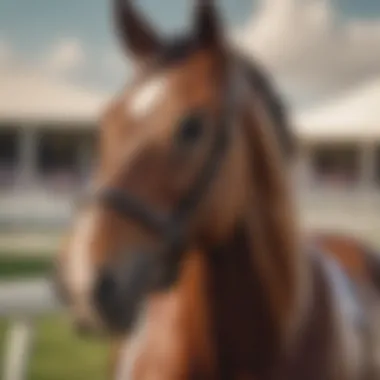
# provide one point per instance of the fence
(356, 212)
(21, 303)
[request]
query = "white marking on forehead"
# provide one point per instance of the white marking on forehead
(80, 271)
(147, 96)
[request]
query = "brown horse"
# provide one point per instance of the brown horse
(189, 247)
(358, 260)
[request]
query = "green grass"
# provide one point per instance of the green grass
(25, 267)
(60, 355)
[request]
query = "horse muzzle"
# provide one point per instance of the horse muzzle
(123, 287)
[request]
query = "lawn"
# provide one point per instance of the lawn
(18, 266)
(58, 353)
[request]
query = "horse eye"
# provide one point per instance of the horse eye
(190, 129)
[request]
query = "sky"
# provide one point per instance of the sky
(313, 48)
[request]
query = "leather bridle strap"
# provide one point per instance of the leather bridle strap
(130, 207)
(172, 225)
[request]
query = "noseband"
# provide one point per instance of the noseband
(172, 226)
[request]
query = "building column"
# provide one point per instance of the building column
(85, 160)
(28, 157)
(367, 166)
(303, 167)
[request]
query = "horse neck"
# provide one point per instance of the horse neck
(245, 326)
(245, 337)
(173, 341)
(217, 323)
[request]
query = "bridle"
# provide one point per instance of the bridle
(173, 226)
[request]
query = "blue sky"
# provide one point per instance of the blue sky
(32, 24)
(34, 29)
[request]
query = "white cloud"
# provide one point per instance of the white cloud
(66, 56)
(309, 48)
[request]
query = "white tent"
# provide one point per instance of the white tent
(33, 98)
(355, 116)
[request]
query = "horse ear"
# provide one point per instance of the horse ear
(135, 33)
(208, 28)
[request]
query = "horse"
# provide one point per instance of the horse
(188, 246)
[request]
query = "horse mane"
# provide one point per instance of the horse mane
(272, 229)
(255, 284)
(260, 81)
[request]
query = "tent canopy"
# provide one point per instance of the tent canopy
(354, 116)
(29, 97)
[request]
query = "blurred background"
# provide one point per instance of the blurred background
(60, 64)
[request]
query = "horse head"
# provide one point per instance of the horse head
(188, 151)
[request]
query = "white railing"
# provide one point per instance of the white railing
(21, 303)
(348, 211)
(35, 207)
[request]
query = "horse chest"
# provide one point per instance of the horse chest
(332, 343)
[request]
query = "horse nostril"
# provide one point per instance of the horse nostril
(106, 289)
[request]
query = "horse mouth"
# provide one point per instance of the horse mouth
(122, 289)
(118, 318)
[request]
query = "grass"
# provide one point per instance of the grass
(24, 267)
(58, 354)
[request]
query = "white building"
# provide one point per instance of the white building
(341, 140)
(46, 137)
(339, 167)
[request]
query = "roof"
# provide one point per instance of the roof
(353, 116)
(30, 97)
